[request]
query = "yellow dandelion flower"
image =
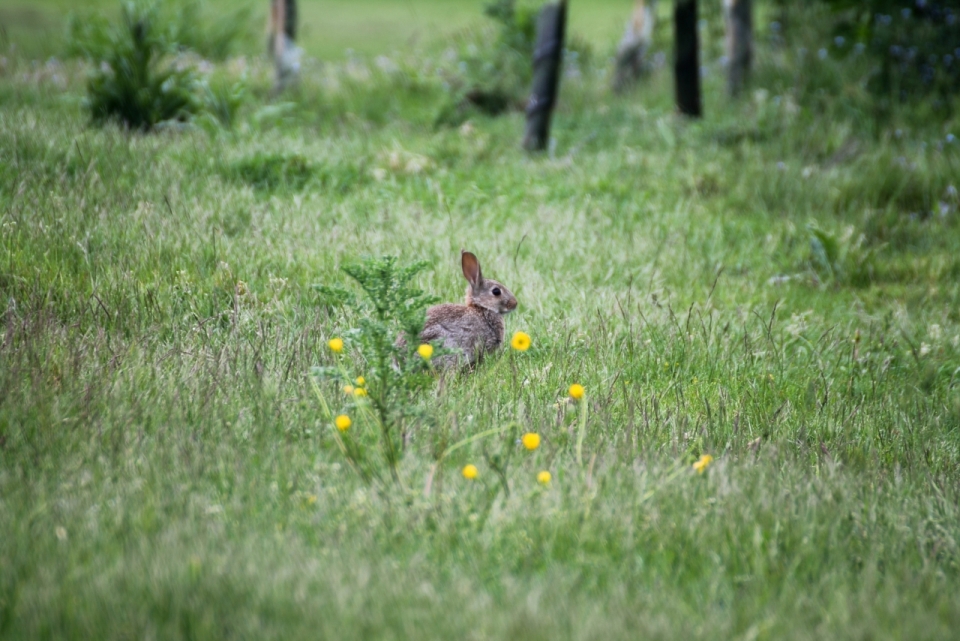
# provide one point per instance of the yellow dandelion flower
(336, 344)
(343, 422)
(702, 463)
(425, 351)
(359, 392)
(531, 440)
(543, 477)
(470, 472)
(361, 381)
(576, 391)
(348, 389)
(520, 341)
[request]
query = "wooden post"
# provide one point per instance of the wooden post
(630, 62)
(283, 31)
(547, 55)
(737, 15)
(686, 66)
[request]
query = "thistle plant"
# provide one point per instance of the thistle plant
(395, 371)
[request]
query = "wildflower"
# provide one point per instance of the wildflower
(361, 381)
(425, 351)
(576, 391)
(702, 463)
(343, 422)
(336, 344)
(470, 471)
(531, 440)
(311, 499)
(520, 341)
(358, 392)
(348, 389)
(543, 477)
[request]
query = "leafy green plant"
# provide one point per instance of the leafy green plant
(493, 74)
(212, 35)
(185, 25)
(914, 46)
(841, 259)
(395, 372)
(135, 83)
(222, 98)
(517, 23)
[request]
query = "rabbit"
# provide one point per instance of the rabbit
(477, 326)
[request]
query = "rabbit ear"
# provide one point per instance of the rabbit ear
(471, 269)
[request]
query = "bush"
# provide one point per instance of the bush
(134, 83)
(493, 74)
(187, 25)
(214, 37)
(914, 47)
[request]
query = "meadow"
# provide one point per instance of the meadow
(776, 285)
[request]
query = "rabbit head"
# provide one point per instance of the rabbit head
(484, 292)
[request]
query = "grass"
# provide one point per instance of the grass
(329, 29)
(164, 471)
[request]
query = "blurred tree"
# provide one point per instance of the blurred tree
(547, 56)
(283, 31)
(686, 65)
(738, 17)
(630, 62)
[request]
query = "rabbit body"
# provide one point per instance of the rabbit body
(477, 326)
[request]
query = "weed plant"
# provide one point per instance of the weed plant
(386, 342)
(136, 84)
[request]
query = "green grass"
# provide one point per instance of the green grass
(328, 29)
(165, 472)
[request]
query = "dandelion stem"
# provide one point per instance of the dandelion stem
(471, 439)
(581, 431)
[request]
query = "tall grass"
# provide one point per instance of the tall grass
(165, 469)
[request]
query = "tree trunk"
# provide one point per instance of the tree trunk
(739, 21)
(547, 55)
(631, 62)
(283, 31)
(686, 66)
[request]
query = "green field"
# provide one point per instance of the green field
(777, 286)
(328, 28)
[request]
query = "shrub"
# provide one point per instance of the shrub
(187, 25)
(214, 37)
(914, 47)
(493, 74)
(134, 83)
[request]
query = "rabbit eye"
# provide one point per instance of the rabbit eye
(496, 291)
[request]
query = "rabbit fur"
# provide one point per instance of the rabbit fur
(477, 326)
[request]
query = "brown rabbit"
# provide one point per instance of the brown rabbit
(475, 327)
